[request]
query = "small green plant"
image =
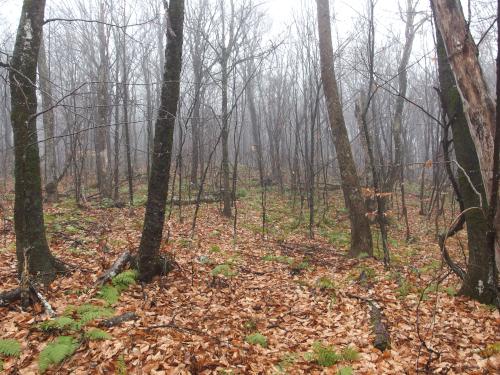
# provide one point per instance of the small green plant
(110, 294)
(121, 367)
(123, 280)
(350, 354)
(215, 249)
(363, 256)
(241, 193)
(451, 291)
(184, 242)
(345, 371)
(325, 283)
(88, 313)
(298, 267)
(61, 323)
(250, 325)
(286, 362)
(257, 339)
(278, 258)
(1, 365)
(223, 269)
(55, 352)
(10, 348)
(404, 288)
(490, 350)
(323, 355)
(96, 334)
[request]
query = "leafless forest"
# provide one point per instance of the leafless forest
(211, 187)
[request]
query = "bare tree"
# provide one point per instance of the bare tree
(149, 262)
(361, 239)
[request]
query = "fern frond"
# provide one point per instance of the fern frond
(97, 334)
(55, 352)
(60, 323)
(88, 313)
(10, 348)
(123, 280)
(110, 294)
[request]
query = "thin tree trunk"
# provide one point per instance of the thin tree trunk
(361, 238)
(149, 262)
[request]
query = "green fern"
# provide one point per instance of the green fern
(55, 352)
(110, 294)
(350, 354)
(10, 348)
(323, 355)
(257, 339)
(224, 269)
(96, 334)
(123, 280)
(60, 323)
(88, 313)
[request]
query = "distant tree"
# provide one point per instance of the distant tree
(149, 262)
(361, 238)
(31, 242)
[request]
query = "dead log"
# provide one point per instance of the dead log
(382, 339)
(115, 269)
(117, 320)
(10, 296)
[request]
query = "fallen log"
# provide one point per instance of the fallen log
(115, 269)
(10, 296)
(117, 320)
(15, 294)
(382, 339)
(187, 202)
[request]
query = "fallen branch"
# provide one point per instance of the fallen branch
(115, 269)
(48, 308)
(382, 339)
(117, 320)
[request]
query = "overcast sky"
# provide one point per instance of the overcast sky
(280, 11)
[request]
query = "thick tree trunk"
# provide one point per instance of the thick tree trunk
(48, 126)
(479, 108)
(477, 282)
(361, 238)
(149, 262)
(31, 242)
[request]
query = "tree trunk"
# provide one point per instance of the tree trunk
(101, 133)
(48, 126)
(126, 129)
(226, 190)
(477, 283)
(361, 238)
(149, 262)
(479, 108)
(31, 241)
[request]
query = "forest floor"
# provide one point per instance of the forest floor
(240, 304)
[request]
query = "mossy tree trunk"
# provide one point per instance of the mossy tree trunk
(478, 282)
(361, 238)
(149, 260)
(31, 241)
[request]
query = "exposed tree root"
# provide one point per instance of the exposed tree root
(117, 320)
(119, 264)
